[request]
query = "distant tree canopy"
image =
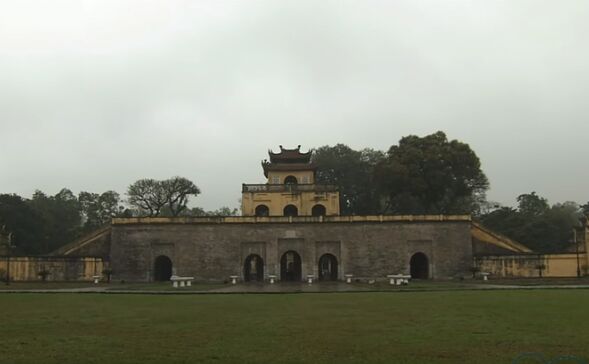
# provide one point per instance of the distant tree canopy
(536, 224)
(152, 197)
(223, 211)
(353, 172)
(585, 209)
(431, 175)
(43, 223)
(99, 209)
(420, 175)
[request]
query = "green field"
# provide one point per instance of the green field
(409, 327)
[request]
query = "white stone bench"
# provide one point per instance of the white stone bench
(178, 281)
(233, 279)
(96, 279)
(310, 278)
(398, 279)
(348, 278)
(272, 278)
(485, 275)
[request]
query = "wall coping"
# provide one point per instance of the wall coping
(530, 255)
(290, 220)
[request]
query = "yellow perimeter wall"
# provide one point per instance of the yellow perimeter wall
(522, 266)
(61, 268)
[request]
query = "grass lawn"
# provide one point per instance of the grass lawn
(114, 286)
(411, 327)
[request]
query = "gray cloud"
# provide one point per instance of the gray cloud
(94, 95)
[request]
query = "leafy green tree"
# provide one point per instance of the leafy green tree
(531, 204)
(23, 221)
(353, 172)
(60, 217)
(585, 209)
(431, 175)
(536, 224)
(223, 211)
(99, 209)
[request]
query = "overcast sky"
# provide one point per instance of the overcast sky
(97, 94)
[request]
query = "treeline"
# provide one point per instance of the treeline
(420, 175)
(43, 223)
(537, 224)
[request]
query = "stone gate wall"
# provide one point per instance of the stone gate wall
(213, 251)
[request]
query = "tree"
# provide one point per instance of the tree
(147, 195)
(23, 221)
(585, 209)
(530, 204)
(99, 209)
(178, 189)
(536, 224)
(153, 197)
(353, 172)
(60, 218)
(431, 175)
(223, 211)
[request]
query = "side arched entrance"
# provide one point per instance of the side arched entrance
(419, 266)
(253, 269)
(318, 210)
(290, 267)
(262, 211)
(162, 269)
(328, 268)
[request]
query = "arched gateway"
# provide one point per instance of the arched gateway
(419, 266)
(290, 267)
(328, 268)
(253, 269)
(162, 269)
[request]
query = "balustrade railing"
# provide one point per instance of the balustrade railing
(293, 188)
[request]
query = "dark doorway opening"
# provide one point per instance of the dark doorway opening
(290, 267)
(162, 269)
(328, 268)
(290, 180)
(253, 270)
(419, 266)
(262, 210)
(318, 210)
(291, 210)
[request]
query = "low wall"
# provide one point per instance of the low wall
(60, 268)
(522, 266)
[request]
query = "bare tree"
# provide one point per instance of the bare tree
(177, 191)
(155, 197)
(147, 195)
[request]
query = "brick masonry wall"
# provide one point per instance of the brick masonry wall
(213, 252)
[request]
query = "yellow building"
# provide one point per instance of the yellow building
(290, 189)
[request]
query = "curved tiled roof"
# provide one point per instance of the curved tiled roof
(290, 156)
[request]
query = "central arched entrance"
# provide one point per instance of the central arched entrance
(290, 180)
(290, 267)
(253, 268)
(419, 266)
(162, 269)
(291, 210)
(328, 268)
